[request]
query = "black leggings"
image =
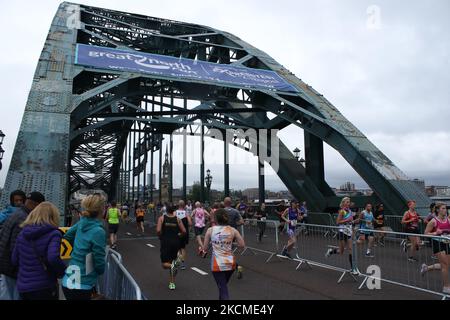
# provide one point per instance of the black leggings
(76, 294)
(222, 278)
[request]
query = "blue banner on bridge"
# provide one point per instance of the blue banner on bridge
(134, 61)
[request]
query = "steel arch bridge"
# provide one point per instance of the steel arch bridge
(80, 119)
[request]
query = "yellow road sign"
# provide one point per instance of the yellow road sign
(66, 247)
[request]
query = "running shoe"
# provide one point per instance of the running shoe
(404, 246)
(369, 254)
(286, 254)
(354, 272)
(183, 266)
(172, 286)
(423, 269)
(328, 253)
(412, 259)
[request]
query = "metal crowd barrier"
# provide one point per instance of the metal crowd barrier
(388, 255)
(117, 283)
(311, 248)
(395, 267)
(261, 236)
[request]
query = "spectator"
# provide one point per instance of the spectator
(432, 214)
(16, 200)
(279, 211)
(37, 254)
(8, 237)
(88, 239)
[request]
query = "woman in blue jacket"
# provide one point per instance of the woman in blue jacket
(87, 262)
(37, 254)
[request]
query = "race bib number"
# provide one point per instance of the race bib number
(263, 219)
(293, 223)
(347, 230)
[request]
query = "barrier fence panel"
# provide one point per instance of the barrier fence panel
(313, 249)
(391, 264)
(261, 236)
(117, 283)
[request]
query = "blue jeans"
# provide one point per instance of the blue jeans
(8, 288)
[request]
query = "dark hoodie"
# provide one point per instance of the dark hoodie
(32, 275)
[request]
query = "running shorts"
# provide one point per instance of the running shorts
(169, 250)
(113, 228)
(439, 246)
(139, 219)
(342, 236)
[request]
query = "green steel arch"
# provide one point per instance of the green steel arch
(78, 119)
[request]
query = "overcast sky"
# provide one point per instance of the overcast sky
(384, 64)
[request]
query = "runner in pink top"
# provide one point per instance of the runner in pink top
(440, 227)
(199, 214)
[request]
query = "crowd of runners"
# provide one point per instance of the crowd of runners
(29, 238)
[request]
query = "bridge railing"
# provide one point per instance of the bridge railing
(117, 283)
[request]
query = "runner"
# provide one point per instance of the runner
(234, 220)
(411, 222)
(125, 211)
(242, 208)
(212, 217)
(440, 226)
(432, 214)
(345, 221)
(261, 216)
(187, 222)
(140, 214)
(366, 222)
(279, 211)
(170, 229)
(304, 213)
(291, 216)
(112, 217)
(223, 262)
(199, 215)
(379, 224)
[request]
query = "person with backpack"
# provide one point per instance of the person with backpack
(16, 200)
(37, 254)
(88, 239)
(8, 237)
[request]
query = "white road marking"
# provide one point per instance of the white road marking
(203, 273)
(150, 245)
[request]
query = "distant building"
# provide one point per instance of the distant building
(348, 186)
(438, 191)
(251, 193)
(420, 183)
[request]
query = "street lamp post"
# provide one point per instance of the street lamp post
(2, 136)
(297, 156)
(208, 181)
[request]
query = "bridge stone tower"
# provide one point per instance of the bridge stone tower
(105, 77)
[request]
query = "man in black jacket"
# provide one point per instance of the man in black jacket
(8, 235)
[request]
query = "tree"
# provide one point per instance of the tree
(195, 194)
